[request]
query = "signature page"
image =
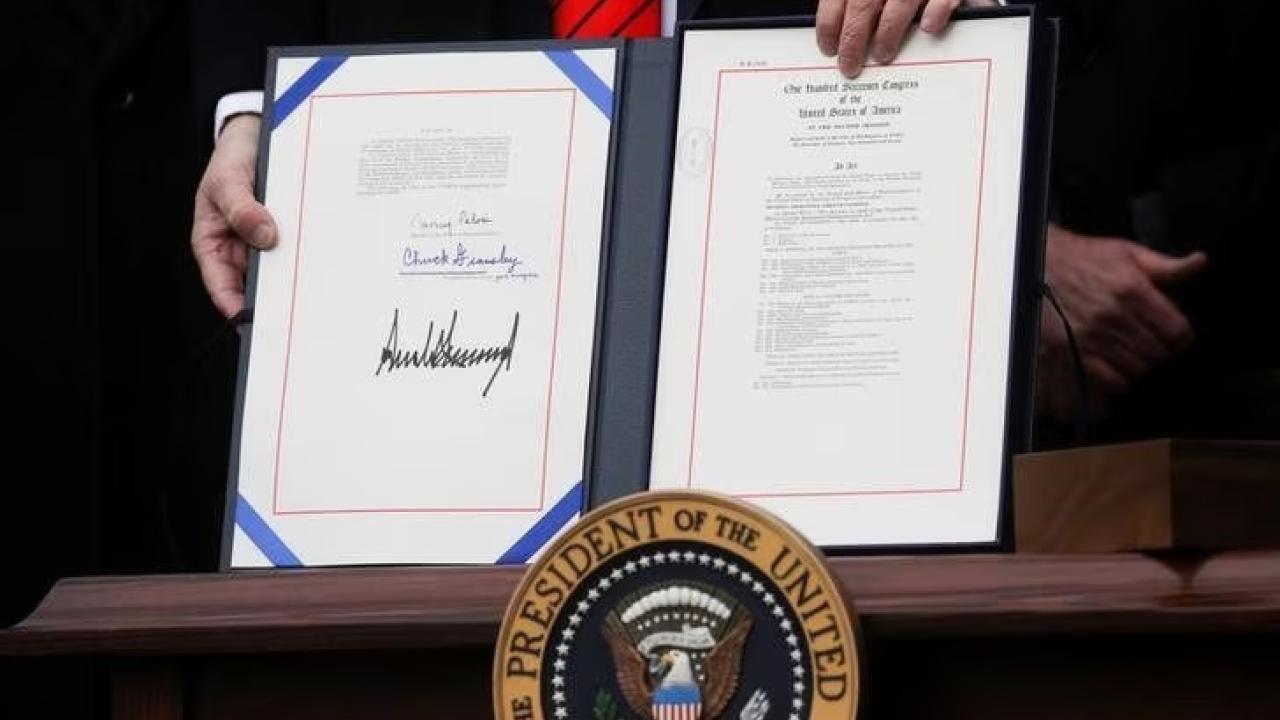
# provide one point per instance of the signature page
(418, 379)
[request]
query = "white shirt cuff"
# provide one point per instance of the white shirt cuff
(236, 103)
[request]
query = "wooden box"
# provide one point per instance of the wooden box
(1148, 496)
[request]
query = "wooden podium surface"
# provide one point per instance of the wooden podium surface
(1118, 636)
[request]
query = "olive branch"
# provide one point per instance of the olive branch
(605, 707)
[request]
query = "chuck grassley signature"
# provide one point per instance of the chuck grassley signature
(460, 256)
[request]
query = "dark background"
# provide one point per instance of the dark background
(118, 426)
(117, 420)
(119, 394)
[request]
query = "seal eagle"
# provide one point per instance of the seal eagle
(665, 687)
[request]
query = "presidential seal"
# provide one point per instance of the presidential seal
(678, 606)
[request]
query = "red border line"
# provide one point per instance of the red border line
(795, 68)
(702, 300)
(555, 333)
(973, 289)
(293, 303)
(697, 374)
(847, 493)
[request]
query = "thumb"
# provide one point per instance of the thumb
(1167, 270)
(248, 218)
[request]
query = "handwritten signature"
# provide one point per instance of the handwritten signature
(445, 224)
(444, 354)
(461, 256)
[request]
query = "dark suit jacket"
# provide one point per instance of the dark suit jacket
(1166, 132)
(231, 36)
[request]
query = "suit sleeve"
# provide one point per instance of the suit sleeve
(230, 40)
(1222, 200)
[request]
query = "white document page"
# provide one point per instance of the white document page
(418, 380)
(839, 283)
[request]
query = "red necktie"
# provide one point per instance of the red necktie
(605, 18)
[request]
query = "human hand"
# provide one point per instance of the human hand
(1113, 294)
(848, 28)
(227, 219)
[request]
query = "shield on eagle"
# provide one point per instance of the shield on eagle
(677, 650)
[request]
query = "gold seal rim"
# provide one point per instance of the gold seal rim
(847, 613)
